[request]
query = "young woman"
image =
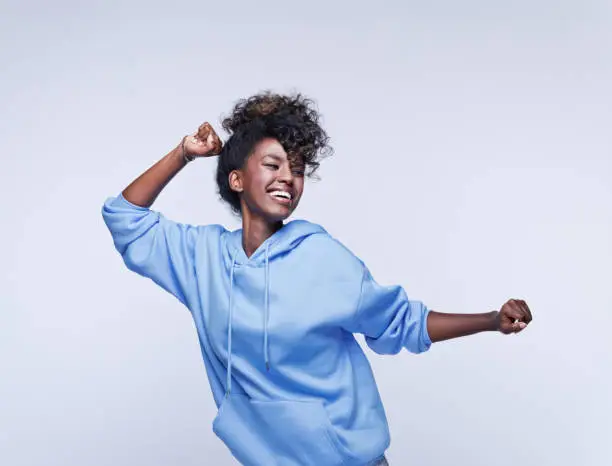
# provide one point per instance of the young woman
(276, 304)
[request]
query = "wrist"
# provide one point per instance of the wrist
(493, 321)
(185, 155)
(176, 155)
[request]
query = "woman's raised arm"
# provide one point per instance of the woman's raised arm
(150, 244)
(144, 190)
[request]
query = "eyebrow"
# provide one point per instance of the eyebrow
(276, 157)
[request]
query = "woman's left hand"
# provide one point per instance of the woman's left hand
(513, 317)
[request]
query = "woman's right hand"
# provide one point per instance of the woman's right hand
(203, 143)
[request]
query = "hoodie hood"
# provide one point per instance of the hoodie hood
(281, 242)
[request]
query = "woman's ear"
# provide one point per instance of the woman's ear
(235, 181)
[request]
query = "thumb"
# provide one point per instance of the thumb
(517, 326)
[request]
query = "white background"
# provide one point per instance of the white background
(473, 164)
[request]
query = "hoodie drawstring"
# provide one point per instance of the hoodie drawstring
(267, 308)
(231, 315)
(228, 383)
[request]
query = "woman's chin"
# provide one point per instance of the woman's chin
(277, 217)
(279, 213)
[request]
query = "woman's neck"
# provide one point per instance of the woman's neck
(255, 230)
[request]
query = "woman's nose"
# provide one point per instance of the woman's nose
(285, 174)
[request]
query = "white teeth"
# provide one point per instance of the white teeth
(284, 194)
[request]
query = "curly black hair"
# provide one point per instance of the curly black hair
(291, 119)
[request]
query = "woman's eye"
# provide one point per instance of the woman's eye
(271, 165)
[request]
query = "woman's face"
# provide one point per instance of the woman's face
(270, 186)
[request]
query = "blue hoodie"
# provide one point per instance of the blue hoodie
(291, 383)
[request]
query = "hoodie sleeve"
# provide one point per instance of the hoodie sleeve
(389, 320)
(153, 246)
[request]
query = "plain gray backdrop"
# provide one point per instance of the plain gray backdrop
(473, 165)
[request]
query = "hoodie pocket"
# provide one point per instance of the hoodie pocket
(271, 433)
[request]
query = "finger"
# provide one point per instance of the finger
(518, 326)
(208, 135)
(204, 131)
(214, 140)
(217, 144)
(523, 311)
(528, 317)
(511, 310)
(515, 303)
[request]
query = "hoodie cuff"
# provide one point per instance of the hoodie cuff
(120, 200)
(426, 340)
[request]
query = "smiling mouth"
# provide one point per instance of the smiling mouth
(282, 197)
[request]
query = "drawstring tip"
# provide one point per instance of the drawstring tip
(267, 366)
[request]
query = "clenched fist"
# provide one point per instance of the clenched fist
(513, 317)
(203, 143)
